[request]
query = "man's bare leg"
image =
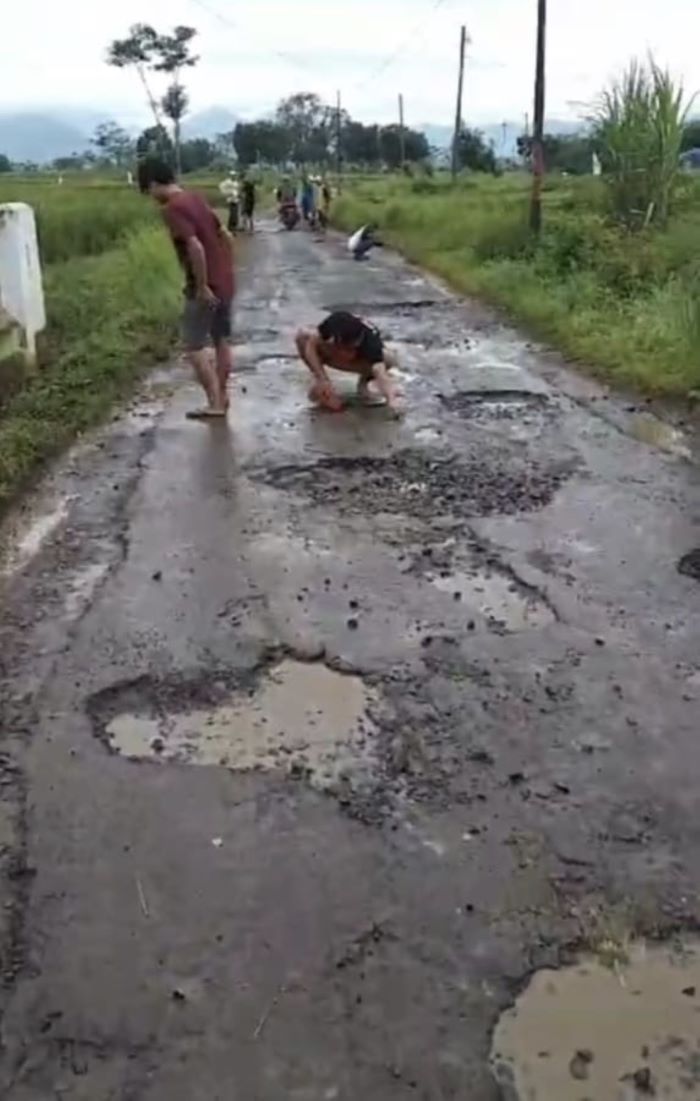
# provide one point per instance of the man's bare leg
(224, 368)
(385, 386)
(206, 374)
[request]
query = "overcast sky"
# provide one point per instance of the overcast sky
(255, 51)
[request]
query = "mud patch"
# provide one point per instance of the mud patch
(506, 604)
(412, 483)
(301, 717)
(592, 1032)
(689, 564)
(502, 404)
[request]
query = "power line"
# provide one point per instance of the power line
(396, 53)
(228, 22)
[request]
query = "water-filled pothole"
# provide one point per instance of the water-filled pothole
(503, 404)
(413, 483)
(593, 1033)
(498, 597)
(302, 718)
(689, 564)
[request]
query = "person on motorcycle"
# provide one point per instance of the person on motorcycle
(347, 343)
(286, 192)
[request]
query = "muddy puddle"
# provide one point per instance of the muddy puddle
(650, 430)
(303, 718)
(595, 1033)
(498, 598)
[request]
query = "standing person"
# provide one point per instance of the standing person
(231, 192)
(307, 199)
(248, 204)
(205, 250)
(326, 197)
(347, 343)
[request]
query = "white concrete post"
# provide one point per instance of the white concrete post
(21, 288)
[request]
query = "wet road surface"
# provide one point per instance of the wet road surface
(321, 734)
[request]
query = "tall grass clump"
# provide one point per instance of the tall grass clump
(638, 127)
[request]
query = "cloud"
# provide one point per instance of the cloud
(255, 51)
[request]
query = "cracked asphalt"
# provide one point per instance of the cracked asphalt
(498, 573)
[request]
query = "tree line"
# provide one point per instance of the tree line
(306, 131)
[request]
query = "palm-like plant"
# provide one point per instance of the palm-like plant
(638, 129)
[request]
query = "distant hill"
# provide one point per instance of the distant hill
(503, 135)
(209, 123)
(38, 136)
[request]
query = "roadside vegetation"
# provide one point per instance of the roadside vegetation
(111, 285)
(614, 280)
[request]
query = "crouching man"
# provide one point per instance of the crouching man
(347, 343)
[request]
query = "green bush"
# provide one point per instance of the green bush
(626, 303)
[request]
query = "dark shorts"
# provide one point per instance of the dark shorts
(203, 325)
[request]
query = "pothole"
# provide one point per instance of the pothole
(391, 309)
(592, 1033)
(689, 565)
(412, 483)
(301, 717)
(503, 404)
(498, 597)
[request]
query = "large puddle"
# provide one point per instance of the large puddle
(498, 598)
(593, 1033)
(302, 718)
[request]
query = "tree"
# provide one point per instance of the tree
(414, 141)
(174, 104)
(360, 143)
(308, 124)
(262, 142)
(5, 163)
(196, 154)
(147, 51)
(155, 141)
(691, 135)
(113, 143)
(474, 152)
(136, 51)
(171, 55)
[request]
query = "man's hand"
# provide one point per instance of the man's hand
(206, 295)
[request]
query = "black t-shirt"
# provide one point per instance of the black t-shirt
(369, 343)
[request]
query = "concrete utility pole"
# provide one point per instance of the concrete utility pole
(538, 122)
(402, 133)
(338, 146)
(458, 113)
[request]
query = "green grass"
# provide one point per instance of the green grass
(626, 305)
(110, 316)
(84, 217)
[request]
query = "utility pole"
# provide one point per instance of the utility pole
(402, 134)
(458, 113)
(538, 122)
(338, 145)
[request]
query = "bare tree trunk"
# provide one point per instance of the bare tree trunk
(149, 95)
(176, 139)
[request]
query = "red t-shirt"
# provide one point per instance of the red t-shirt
(188, 215)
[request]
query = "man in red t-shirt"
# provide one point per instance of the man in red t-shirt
(205, 251)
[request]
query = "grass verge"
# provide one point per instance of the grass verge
(625, 305)
(109, 316)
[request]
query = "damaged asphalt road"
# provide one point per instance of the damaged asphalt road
(321, 733)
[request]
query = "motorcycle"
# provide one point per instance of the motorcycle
(289, 214)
